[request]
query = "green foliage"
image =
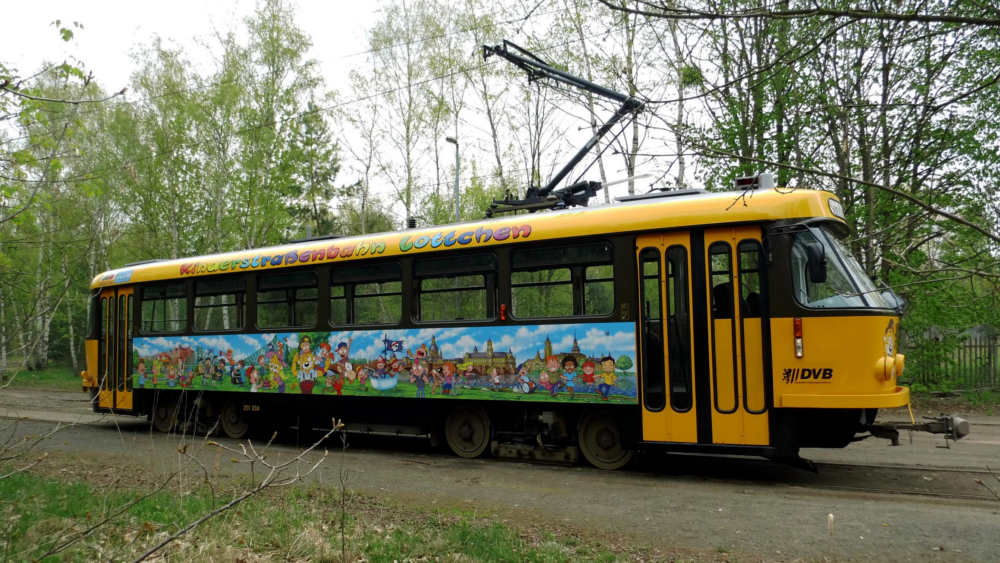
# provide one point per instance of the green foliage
(294, 523)
(54, 377)
(691, 76)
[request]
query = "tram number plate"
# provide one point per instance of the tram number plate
(251, 408)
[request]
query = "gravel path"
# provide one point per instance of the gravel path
(929, 508)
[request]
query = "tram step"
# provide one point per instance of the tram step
(564, 455)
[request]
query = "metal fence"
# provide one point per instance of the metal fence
(974, 364)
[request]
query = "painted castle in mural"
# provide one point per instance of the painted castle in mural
(453, 362)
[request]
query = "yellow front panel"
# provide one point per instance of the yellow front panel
(840, 358)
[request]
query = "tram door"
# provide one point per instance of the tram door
(114, 349)
(735, 300)
(665, 359)
(701, 354)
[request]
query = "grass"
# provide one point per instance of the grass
(300, 523)
(55, 377)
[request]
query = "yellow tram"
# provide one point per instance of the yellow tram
(673, 320)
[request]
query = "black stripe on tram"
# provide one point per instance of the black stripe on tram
(699, 309)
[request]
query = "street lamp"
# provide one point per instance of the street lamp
(458, 213)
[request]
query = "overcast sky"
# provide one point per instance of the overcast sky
(114, 28)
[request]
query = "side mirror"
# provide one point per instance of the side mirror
(895, 301)
(816, 262)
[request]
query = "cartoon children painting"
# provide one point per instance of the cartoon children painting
(569, 375)
(277, 381)
(495, 379)
(344, 354)
(236, 373)
(550, 375)
(322, 357)
(171, 376)
(418, 358)
(156, 371)
(303, 368)
(205, 371)
(140, 371)
(253, 378)
(420, 378)
(333, 380)
(552, 366)
(470, 373)
(610, 379)
(588, 372)
(363, 375)
(524, 384)
(394, 365)
(220, 371)
(437, 377)
(448, 376)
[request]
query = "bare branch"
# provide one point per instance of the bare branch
(665, 11)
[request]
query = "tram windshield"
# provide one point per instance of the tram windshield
(846, 285)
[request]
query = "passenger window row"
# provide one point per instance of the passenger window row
(547, 282)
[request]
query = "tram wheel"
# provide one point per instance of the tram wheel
(165, 412)
(234, 423)
(599, 437)
(467, 431)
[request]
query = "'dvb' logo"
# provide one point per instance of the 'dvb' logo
(807, 375)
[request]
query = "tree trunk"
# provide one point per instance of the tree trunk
(69, 317)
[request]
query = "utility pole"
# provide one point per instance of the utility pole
(458, 212)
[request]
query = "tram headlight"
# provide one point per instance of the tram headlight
(797, 332)
(885, 368)
(900, 360)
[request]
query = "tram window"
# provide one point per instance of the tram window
(338, 305)
(654, 393)
(542, 293)
(651, 287)
(287, 300)
(366, 295)
(839, 290)
(722, 281)
(164, 308)
(220, 304)
(750, 298)
(563, 281)
(599, 290)
(92, 315)
(678, 330)
(455, 289)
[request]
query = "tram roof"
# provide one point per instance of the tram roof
(656, 213)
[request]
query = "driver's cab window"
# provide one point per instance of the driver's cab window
(837, 291)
